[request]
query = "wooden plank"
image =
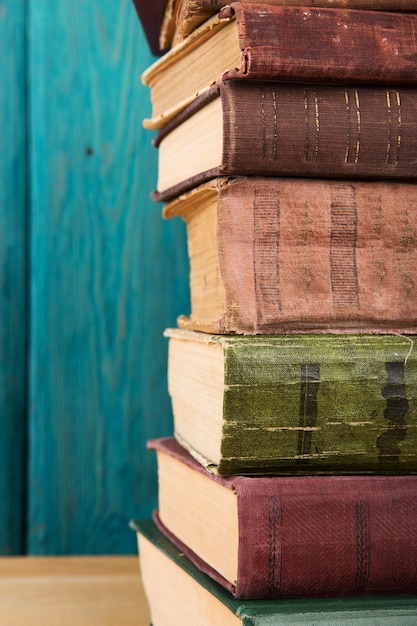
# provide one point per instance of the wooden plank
(107, 276)
(12, 274)
(87, 591)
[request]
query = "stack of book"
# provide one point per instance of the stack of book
(287, 139)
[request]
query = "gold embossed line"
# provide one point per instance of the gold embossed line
(274, 104)
(317, 124)
(307, 126)
(399, 122)
(390, 107)
(388, 151)
(263, 125)
(347, 148)
(306, 129)
(358, 121)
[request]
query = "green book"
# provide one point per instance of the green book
(179, 593)
(295, 403)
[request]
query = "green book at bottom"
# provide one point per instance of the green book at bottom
(178, 592)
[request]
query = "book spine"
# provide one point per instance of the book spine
(315, 254)
(327, 44)
(206, 8)
(192, 13)
(314, 536)
(319, 130)
(150, 14)
(319, 403)
(306, 536)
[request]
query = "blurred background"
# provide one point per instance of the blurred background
(90, 276)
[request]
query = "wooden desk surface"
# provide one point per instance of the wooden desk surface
(76, 591)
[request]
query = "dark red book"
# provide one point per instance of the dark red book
(290, 536)
(151, 14)
(274, 128)
(258, 42)
(189, 14)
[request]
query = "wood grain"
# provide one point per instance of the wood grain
(107, 276)
(97, 591)
(13, 305)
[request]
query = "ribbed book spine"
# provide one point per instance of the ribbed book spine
(192, 13)
(324, 44)
(316, 402)
(309, 536)
(306, 255)
(307, 403)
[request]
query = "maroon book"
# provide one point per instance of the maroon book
(297, 536)
(151, 13)
(289, 129)
(263, 42)
(191, 13)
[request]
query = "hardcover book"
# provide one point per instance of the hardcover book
(275, 255)
(183, 16)
(174, 586)
(298, 130)
(290, 536)
(151, 14)
(264, 404)
(263, 42)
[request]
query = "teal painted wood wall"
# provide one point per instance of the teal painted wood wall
(13, 301)
(90, 276)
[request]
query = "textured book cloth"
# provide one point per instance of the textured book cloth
(184, 16)
(303, 536)
(281, 129)
(260, 42)
(270, 403)
(287, 255)
(172, 566)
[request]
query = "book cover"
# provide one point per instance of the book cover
(261, 42)
(185, 16)
(151, 14)
(169, 577)
(294, 130)
(275, 403)
(290, 536)
(274, 255)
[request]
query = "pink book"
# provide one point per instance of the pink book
(290, 536)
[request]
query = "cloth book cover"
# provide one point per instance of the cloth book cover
(362, 611)
(301, 44)
(301, 130)
(303, 536)
(270, 403)
(299, 255)
(186, 15)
